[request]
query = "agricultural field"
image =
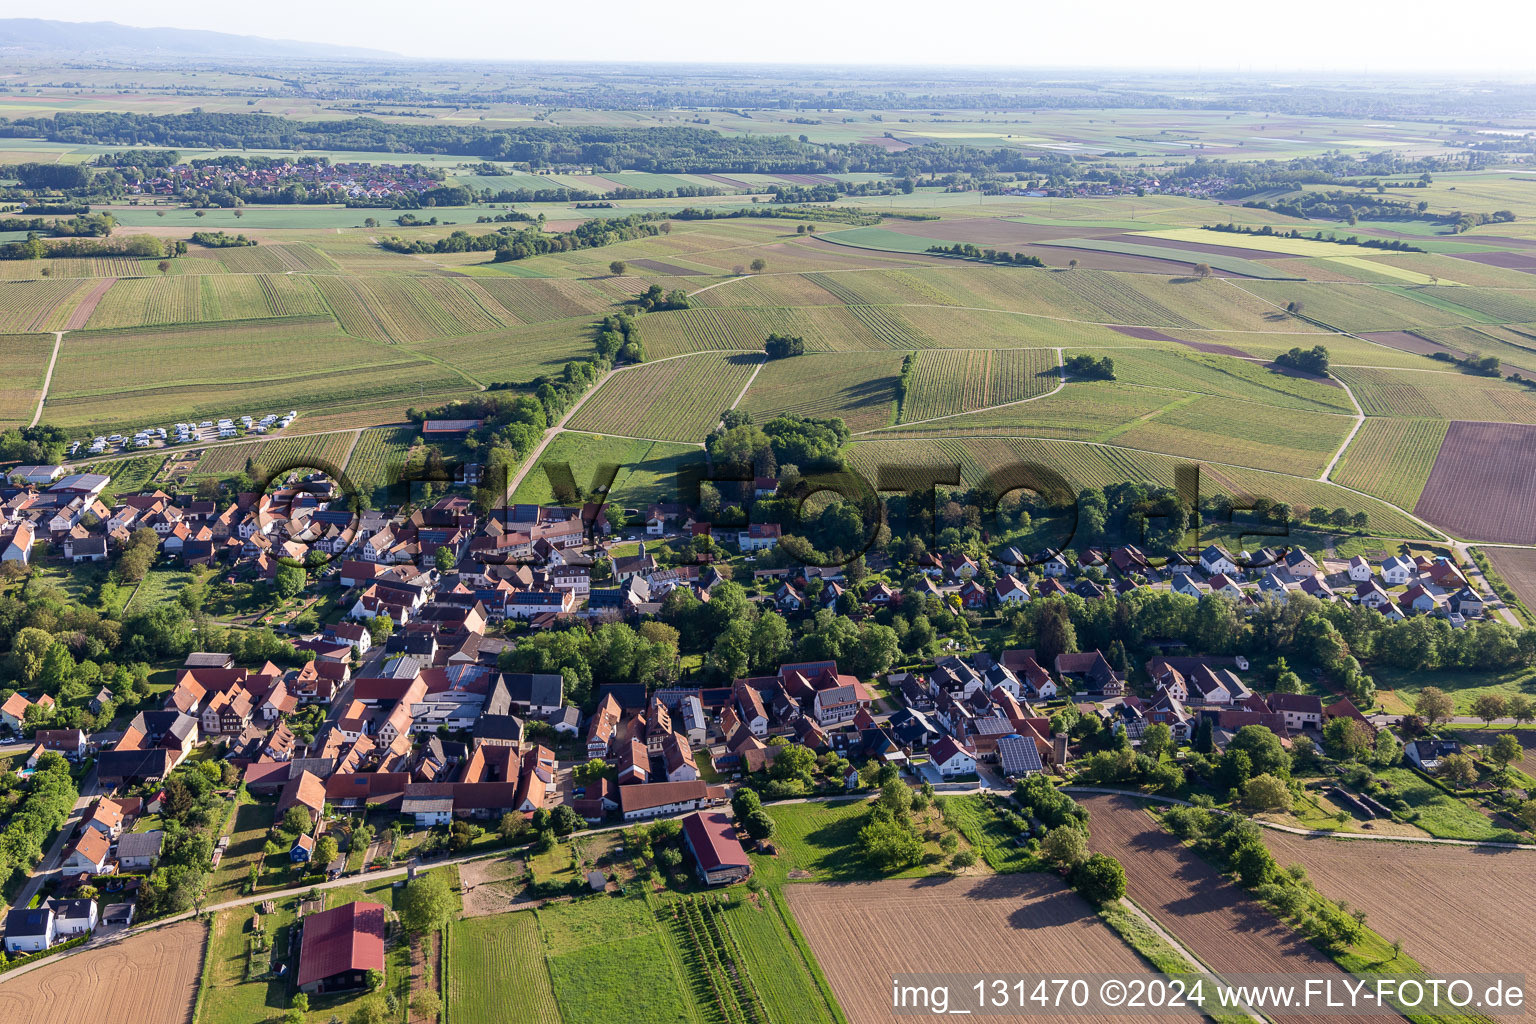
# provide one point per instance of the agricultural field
(648, 471)
(1518, 567)
(1479, 895)
(378, 457)
(858, 387)
(118, 378)
(497, 972)
(1494, 462)
(1208, 914)
(672, 400)
(862, 934)
(1432, 394)
(149, 978)
(953, 381)
(1391, 458)
(25, 357)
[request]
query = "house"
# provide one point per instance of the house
(139, 851)
(304, 790)
(1467, 603)
(20, 547)
(662, 799)
(951, 759)
(13, 712)
(1420, 600)
(1359, 569)
(1398, 570)
(1427, 754)
(302, 850)
(1216, 559)
(30, 930)
(788, 599)
(107, 816)
(1010, 591)
(73, 918)
(85, 549)
(973, 595)
(1189, 586)
(678, 756)
(1223, 584)
(839, 703)
(758, 537)
(1372, 595)
(1299, 564)
(340, 946)
(1301, 710)
(69, 742)
(717, 853)
(353, 634)
(89, 854)
(1052, 563)
(1093, 671)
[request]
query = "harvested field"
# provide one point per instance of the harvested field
(1407, 342)
(1524, 260)
(1152, 334)
(1481, 899)
(1208, 248)
(861, 934)
(1518, 567)
(149, 978)
(1496, 462)
(1208, 914)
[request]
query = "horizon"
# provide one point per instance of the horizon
(1125, 40)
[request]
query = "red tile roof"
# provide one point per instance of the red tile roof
(713, 840)
(349, 938)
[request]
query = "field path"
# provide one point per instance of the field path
(82, 312)
(58, 340)
(347, 457)
(755, 371)
(1359, 422)
(1210, 915)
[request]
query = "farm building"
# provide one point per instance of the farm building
(717, 853)
(340, 947)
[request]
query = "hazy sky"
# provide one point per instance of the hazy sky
(1488, 36)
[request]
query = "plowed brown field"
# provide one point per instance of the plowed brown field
(1455, 908)
(1496, 462)
(149, 978)
(1209, 915)
(1005, 924)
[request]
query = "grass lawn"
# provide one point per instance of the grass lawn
(979, 818)
(252, 821)
(1440, 814)
(158, 586)
(821, 841)
(1397, 689)
(639, 973)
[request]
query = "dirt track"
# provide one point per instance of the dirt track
(1208, 914)
(149, 978)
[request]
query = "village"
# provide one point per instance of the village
(402, 715)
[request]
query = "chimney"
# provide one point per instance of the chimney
(1059, 748)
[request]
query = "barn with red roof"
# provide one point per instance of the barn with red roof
(340, 946)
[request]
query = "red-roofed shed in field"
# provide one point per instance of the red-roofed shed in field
(712, 839)
(340, 947)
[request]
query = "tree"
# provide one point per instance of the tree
(1065, 845)
(289, 581)
(1157, 740)
(1263, 749)
(512, 827)
(1202, 270)
(444, 559)
(370, 1011)
(1267, 793)
(1346, 739)
(325, 850)
(1100, 879)
(590, 772)
(1458, 770)
(782, 346)
(1489, 706)
(1521, 708)
(759, 824)
(296, 821)
(1072, 263)
(617, 268)
(425, 904)
(163, 266)
(889, 844)
(759, 265)
(1506, 750)
(1527, 815)
(427, 1004)
(1434, 705)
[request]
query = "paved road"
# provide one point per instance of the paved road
(89, 790)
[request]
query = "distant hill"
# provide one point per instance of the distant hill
(106, 38)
